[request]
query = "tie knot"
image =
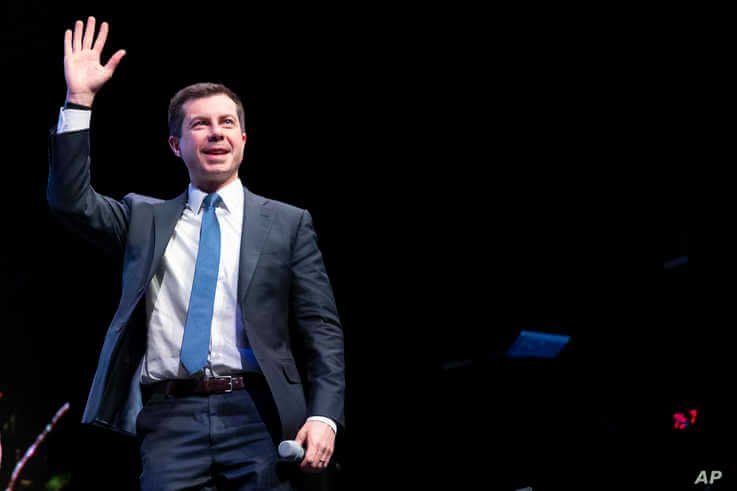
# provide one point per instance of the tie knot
(211, 200)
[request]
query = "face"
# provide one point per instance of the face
(212, 141)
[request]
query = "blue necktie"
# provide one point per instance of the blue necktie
(196, 342)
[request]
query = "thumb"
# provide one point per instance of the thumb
(112, 63)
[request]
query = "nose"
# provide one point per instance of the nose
(216, 133)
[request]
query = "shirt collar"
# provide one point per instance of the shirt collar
(231, 195)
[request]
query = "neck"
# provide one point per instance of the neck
(213, 186)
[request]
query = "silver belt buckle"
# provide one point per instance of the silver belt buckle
(230, 383)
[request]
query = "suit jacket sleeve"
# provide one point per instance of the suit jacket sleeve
(101, 219)
(317, 321)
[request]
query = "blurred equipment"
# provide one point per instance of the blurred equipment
(531, 344)
(32, 449)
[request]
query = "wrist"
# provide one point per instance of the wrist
(84, 99)
(325, 420)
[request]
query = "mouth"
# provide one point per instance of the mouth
(215, 154)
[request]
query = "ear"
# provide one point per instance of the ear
(174, 145)
(245, 137)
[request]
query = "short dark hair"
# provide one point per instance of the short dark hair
(198, 91)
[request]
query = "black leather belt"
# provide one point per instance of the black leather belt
(203, 386)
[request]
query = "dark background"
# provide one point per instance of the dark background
(467, 178)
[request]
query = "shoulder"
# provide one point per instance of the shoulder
(142, 206)
(279, 208)
(138, 199)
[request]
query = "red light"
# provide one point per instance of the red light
(681, 421)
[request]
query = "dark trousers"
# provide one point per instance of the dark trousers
(205, 442)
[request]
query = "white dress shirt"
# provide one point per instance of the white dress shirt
(167, 296)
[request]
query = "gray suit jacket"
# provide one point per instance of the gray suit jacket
(281, 275)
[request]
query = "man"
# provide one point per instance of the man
(198, 360)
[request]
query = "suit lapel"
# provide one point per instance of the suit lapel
(257, 221)
(256, 224)
(166, 215)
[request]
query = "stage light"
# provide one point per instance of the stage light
(685, 419)
(531, 344)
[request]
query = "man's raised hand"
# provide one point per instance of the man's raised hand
(82, 69)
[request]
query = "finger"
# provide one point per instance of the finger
(67, 42)
(308, 466)
(323, 459)
(309, 460)
(101, 37)
(314, 461)
(112, 63)
(77, 40)
(89, 33)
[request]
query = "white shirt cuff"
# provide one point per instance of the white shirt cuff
(73, 120)
(325, 420)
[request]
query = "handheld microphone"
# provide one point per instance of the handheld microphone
(291, 451)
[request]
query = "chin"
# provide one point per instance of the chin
(223, 163)
(216, 171)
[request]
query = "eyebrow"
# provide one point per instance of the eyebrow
(200, 116)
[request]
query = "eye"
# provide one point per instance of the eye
(229, 120)
(197, 123)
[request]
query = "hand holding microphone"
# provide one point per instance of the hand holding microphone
(312, 448)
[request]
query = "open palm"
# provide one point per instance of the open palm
(84, 73)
